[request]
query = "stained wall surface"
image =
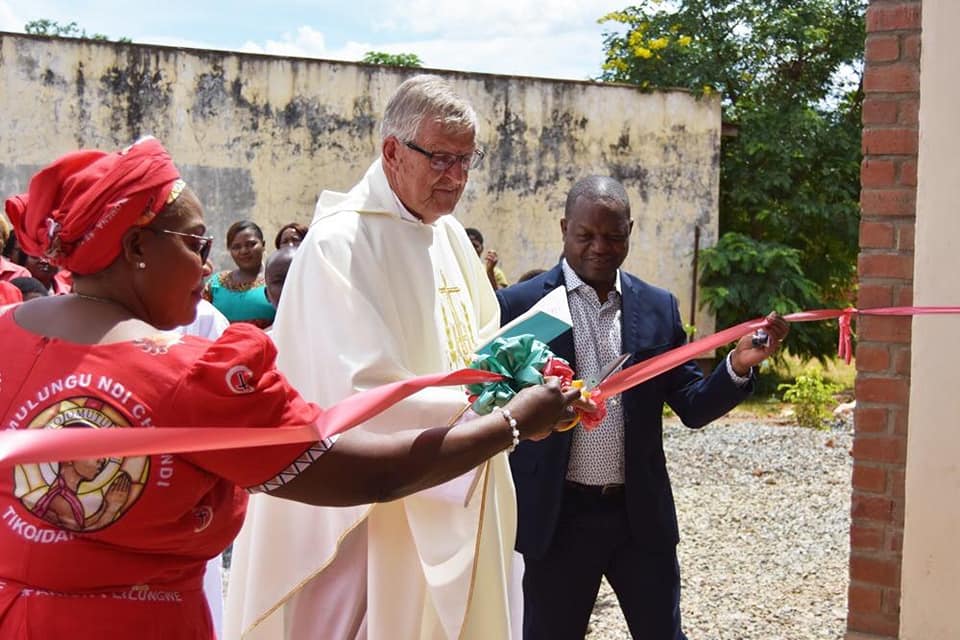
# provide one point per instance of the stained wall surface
(260, 136)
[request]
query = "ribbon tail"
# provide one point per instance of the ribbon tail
(844, 345)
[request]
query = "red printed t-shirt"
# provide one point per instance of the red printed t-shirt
(118, 545)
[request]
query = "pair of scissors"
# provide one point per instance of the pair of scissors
(760, 339)
(591, 383)
(608, 370)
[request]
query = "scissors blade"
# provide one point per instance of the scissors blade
(608, 370)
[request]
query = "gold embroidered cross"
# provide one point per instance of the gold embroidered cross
(457, 326)
(448, 290)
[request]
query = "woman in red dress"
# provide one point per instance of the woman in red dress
(116, 547)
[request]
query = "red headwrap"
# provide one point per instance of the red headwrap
(76, 210)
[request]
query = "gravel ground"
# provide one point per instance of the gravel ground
(764, 512)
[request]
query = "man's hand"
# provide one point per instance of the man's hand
(490, 260)
(748, 355)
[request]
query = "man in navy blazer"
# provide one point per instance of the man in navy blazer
(599, 503)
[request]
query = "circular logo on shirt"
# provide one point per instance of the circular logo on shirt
(86, 494)
(240, 379)
(204, 516)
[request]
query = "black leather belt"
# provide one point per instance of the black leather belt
(604, 490)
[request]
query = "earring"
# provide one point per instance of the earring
(141, 265)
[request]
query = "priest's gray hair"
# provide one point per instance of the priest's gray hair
(425, 96)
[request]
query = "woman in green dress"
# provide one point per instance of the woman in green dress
(240, 294)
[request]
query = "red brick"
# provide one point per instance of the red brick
(911, 47)
(891, 601)
(878, 173)
(870, 296)
(897, 481)
(865, 599)
(901, 360)
(882, 48)
(879, 448)
(869, 479)
(871, 508)
(885, 265)
(909, 112)
(905, 236)
(873, 358)
(879, 571)
(895, 541)
(901, 77)
(890, 141)
(880, 329)
(903, 16)
(889, 202)
(879, 625)
(871, 419)
(903, 296)
(908, 173)
(899, 511)
(899, 422)
(877, 235)
(878, 111)
(864, 538)
(881, 391)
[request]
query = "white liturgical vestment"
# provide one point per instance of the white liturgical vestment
(375, 296)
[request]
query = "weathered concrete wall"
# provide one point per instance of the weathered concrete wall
(261, 136)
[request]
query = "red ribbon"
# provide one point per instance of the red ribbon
(20, 446)
(638, 373)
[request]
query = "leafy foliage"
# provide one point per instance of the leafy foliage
(46, 27)
(52, 28)
(787, 73)
(392, 59)
(778, 281)
(810, 395)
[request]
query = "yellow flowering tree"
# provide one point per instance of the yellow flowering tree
(788, 76)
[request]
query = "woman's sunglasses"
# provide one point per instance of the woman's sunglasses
(201, 245)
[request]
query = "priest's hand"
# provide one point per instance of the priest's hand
(539, 409)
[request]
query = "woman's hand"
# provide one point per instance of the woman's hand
(538, 410)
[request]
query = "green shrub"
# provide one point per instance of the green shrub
(810, 395)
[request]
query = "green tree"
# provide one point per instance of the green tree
(392, 59)
(44, 27)
(788, 76)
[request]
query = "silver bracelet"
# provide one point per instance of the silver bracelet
(512, 423)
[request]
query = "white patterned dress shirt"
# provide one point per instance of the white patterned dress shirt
(596, 457)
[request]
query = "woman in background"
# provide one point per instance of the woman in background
(291, 234)
(55, 281)
(240, 294)
(8, 269)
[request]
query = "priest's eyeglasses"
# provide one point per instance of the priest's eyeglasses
(200, 245)
(443, 161)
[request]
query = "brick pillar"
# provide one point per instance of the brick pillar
(888, 203)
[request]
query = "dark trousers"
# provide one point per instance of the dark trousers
(593, 540)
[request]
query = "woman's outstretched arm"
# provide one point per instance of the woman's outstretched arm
(363, 467)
